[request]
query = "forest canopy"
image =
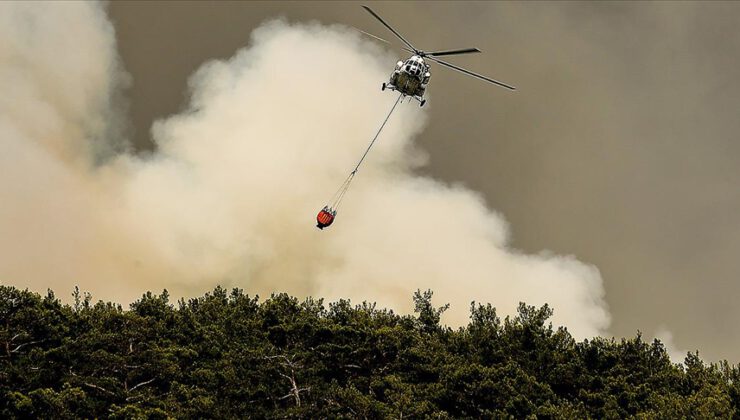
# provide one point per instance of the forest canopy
(227, 354)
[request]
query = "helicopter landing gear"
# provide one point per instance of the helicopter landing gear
(383, 87)
(422, 102)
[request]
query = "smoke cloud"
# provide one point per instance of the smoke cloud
(230, 194)
(677, 354)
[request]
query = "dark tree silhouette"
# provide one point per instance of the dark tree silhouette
(226, 355)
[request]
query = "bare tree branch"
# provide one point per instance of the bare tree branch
(142, 384)
(100, 388)
(20, 346)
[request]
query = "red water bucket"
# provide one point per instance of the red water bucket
(324, 218)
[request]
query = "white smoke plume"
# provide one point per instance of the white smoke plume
(675, 353)
(231, 193)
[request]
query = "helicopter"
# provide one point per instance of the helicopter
(411, 77)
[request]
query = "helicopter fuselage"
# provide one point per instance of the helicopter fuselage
(410, 78)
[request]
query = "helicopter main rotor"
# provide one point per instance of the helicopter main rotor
(433, 54)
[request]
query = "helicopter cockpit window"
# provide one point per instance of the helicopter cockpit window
(414, 69)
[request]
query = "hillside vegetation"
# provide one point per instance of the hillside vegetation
(227, 355)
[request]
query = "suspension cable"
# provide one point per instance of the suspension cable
(337, 197)
(377, 134)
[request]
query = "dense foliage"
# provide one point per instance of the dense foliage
(227, 355)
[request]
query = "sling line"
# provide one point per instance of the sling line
(337, 197)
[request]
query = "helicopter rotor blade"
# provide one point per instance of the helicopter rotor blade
(451, 52)
(370, 35)
(369, 10)
(470, 73)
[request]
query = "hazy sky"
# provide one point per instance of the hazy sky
(620, 146)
